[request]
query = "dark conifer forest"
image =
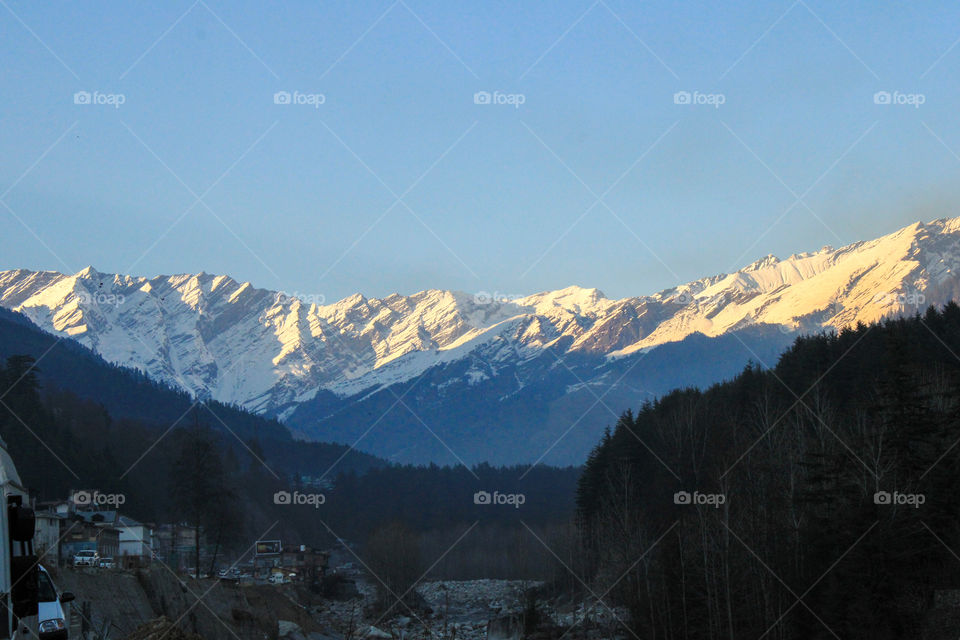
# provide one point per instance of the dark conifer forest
(813, 499)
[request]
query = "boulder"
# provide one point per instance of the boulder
(286, 627)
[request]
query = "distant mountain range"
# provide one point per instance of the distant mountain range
(448, 376)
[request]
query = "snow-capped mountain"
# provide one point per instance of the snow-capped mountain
(310, 363)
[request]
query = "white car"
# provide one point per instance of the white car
(86, 558)
(53, 624)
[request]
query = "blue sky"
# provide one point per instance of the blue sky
(399, 181)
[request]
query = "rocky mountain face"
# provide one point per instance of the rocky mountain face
(478, 373)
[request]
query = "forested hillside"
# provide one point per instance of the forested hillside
(221, 455)
(72, 421)
(813, 499)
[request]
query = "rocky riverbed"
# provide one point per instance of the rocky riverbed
(468, 610)
(146, 604)
(448, 609)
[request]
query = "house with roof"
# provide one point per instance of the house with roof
(82, 535)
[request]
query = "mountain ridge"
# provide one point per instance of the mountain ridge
(274, 353)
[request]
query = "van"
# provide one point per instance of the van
(53, 623)
(18, 574)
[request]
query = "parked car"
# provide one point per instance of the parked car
(53, 623)
(105, 563)
(86, 558)
(228, 574)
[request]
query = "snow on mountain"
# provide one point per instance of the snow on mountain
(268, 351)
(831, 288)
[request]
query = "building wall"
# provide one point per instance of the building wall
(135, 541)
(46, 541)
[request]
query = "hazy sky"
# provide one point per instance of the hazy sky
(400, 181)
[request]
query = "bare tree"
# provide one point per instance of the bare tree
(393, 555)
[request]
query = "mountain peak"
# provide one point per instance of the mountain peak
(354, 300)
(768, 261)
(87, 272)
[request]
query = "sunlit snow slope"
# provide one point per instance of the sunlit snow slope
(269, 352)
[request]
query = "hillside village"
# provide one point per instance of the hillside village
(72, 532)
(139, 580)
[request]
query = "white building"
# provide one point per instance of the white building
(135, 542)
(46, 541)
